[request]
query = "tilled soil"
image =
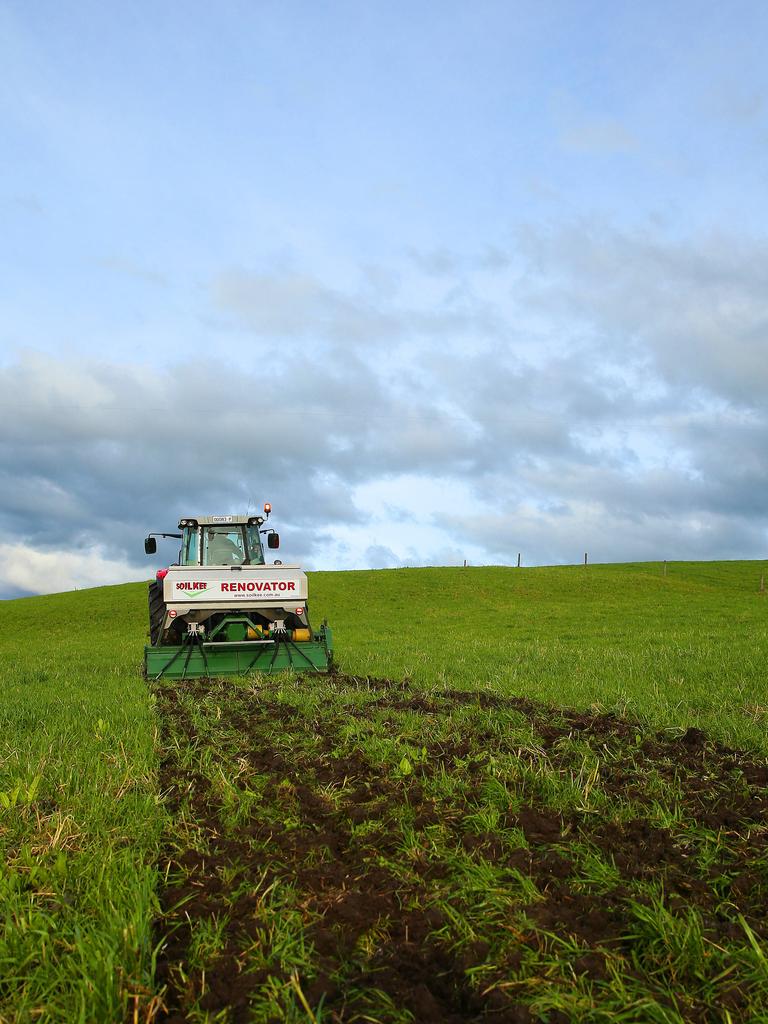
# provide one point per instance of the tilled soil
(378, 868)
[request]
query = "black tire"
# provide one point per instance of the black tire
(156, 612)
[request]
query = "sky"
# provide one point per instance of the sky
(441, 282)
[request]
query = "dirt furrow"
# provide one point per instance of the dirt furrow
(301, 874)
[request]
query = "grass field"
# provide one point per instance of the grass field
(431, 835)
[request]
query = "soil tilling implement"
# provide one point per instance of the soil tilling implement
(221, 610)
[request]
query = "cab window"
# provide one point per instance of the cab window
(254, 546)
(223, 545)
(189, 546)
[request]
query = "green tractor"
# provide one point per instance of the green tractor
(221, 610)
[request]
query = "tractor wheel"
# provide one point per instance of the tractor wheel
(156, 612)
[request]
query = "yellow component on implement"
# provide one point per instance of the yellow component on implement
(301, 634)
(254, 634)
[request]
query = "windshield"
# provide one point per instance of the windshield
(223, 545)
(230, 544)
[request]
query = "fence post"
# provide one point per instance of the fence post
(665, 567)
(518, 559)
(585, 558)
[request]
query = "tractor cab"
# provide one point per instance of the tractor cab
(220, 540)
(221, 544)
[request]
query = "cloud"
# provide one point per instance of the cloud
(591, 132)
(435, 262)
(545, 536)
(696, 312)
(298, 307)
(598, 134)
(377, 556)
(96, 449)
(28, 203)
(28, 570)
(592, 390)
(130, 268)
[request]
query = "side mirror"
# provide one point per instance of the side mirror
(150, 546)
(273, 540)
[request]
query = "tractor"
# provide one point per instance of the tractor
(221, 610)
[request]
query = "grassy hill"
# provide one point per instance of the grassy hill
(82, 824)
(687, 648)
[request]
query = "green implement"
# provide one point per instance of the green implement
(196, 657)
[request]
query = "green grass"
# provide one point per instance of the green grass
(688, 648)
(79, 816)
(81, 824)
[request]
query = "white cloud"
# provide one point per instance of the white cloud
(25, 568)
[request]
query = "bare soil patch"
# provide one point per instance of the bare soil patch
(377, 862)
